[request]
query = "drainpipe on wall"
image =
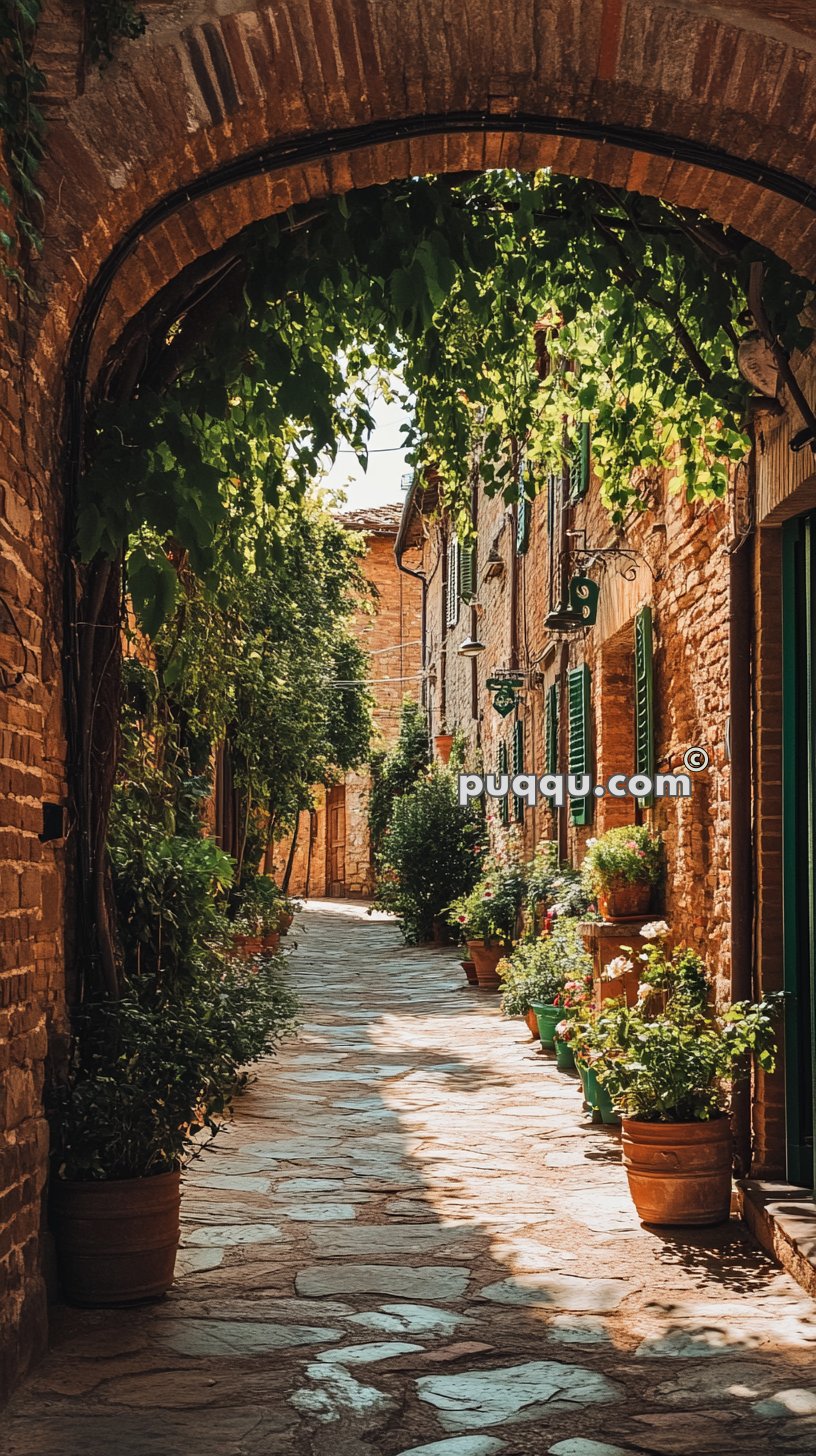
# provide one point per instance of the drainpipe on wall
(399, 548)
(740, 654)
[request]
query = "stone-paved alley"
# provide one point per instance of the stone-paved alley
(410, 1240)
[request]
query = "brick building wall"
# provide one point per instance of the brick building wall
(681, 572)
(388, 627)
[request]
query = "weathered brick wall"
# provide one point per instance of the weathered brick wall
(689, 599)
(388, 627)
(31, 872)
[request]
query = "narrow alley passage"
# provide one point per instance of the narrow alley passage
(411, 1241)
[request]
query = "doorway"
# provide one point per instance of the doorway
(799, 836)
(336, 841)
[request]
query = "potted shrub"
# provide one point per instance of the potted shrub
(621, 870)
(487, 916)
(430, 853)
(146, 1074)
(288, 910)
(668, 1064)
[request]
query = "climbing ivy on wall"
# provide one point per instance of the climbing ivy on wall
(22, 128)
(22, 124)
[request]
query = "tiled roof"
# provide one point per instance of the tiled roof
(374, 520)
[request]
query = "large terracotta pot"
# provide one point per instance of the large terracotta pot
(285, 921)
(623, 902)
(271, 941)
(469, 969)
(443, 743)
(116, 1241)
(532, 1022)
(248, 945)
(486, 958)
(679, 1172)
(440, 931)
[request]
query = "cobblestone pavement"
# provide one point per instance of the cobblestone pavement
(410, 1241)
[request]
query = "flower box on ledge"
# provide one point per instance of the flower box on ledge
(605, 942)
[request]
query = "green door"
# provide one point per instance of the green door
(799, 800)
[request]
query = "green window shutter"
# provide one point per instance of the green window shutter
(467, 572)
(501, 768)
(644, 698)
(580, 743)
(551, 730)
(518, 767)
(579, 465)
(452, 603)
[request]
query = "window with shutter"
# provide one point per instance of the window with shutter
(518, 767)
(580, 742)
(501, 768)
(453, 582)
(579, 465)
(467, 572)
(551, 730)
(644, 698)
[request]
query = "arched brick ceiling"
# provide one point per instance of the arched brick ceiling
(205, 88)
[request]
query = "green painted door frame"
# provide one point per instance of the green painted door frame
(799, 837)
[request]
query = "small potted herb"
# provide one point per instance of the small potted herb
(621, 870)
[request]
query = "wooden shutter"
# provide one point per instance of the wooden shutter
(580, 742)
(551, 730)
(518, 767)
(501, 768)
(579, 466)
(644, 698)
(467, 572)
(453, 582)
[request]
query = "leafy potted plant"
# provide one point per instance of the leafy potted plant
(621, 869)
(553, 888)
(257, 924)
(288, 910)
(537, 973)
(487, 916)
(146, 1074)
(668, 1064)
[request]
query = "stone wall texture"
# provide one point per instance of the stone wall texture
(141, 177)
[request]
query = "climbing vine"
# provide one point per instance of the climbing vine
(109, 21)
(22, 127)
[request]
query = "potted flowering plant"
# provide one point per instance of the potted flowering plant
(668, 1064)
(289, 908)
(486, 917)
(537, 973)
(621, 870)
(570, 1000)
(553, 888)
(257, 921)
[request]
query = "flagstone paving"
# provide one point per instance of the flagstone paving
(411, 1243)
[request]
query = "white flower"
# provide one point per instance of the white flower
(620, 966)
(590, 843)
(655, 930)
(557, 909)
(643, 994)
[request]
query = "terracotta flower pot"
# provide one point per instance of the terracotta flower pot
(116, 1241)
(486, 958)
(285, 922)
(532, 1022)
(679, 1172)
(440, 931)
(469, 969)
(623, 902)
(271, 941)
(443, 743)
(248, 945)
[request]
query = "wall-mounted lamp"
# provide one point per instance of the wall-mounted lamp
(470, 647)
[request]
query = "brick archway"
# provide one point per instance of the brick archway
(704, 104)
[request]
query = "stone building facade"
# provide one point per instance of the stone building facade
(333, 851)
(220, 116)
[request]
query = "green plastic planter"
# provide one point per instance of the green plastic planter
(608, 1114)
(564, 1058)
(548, 1018)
